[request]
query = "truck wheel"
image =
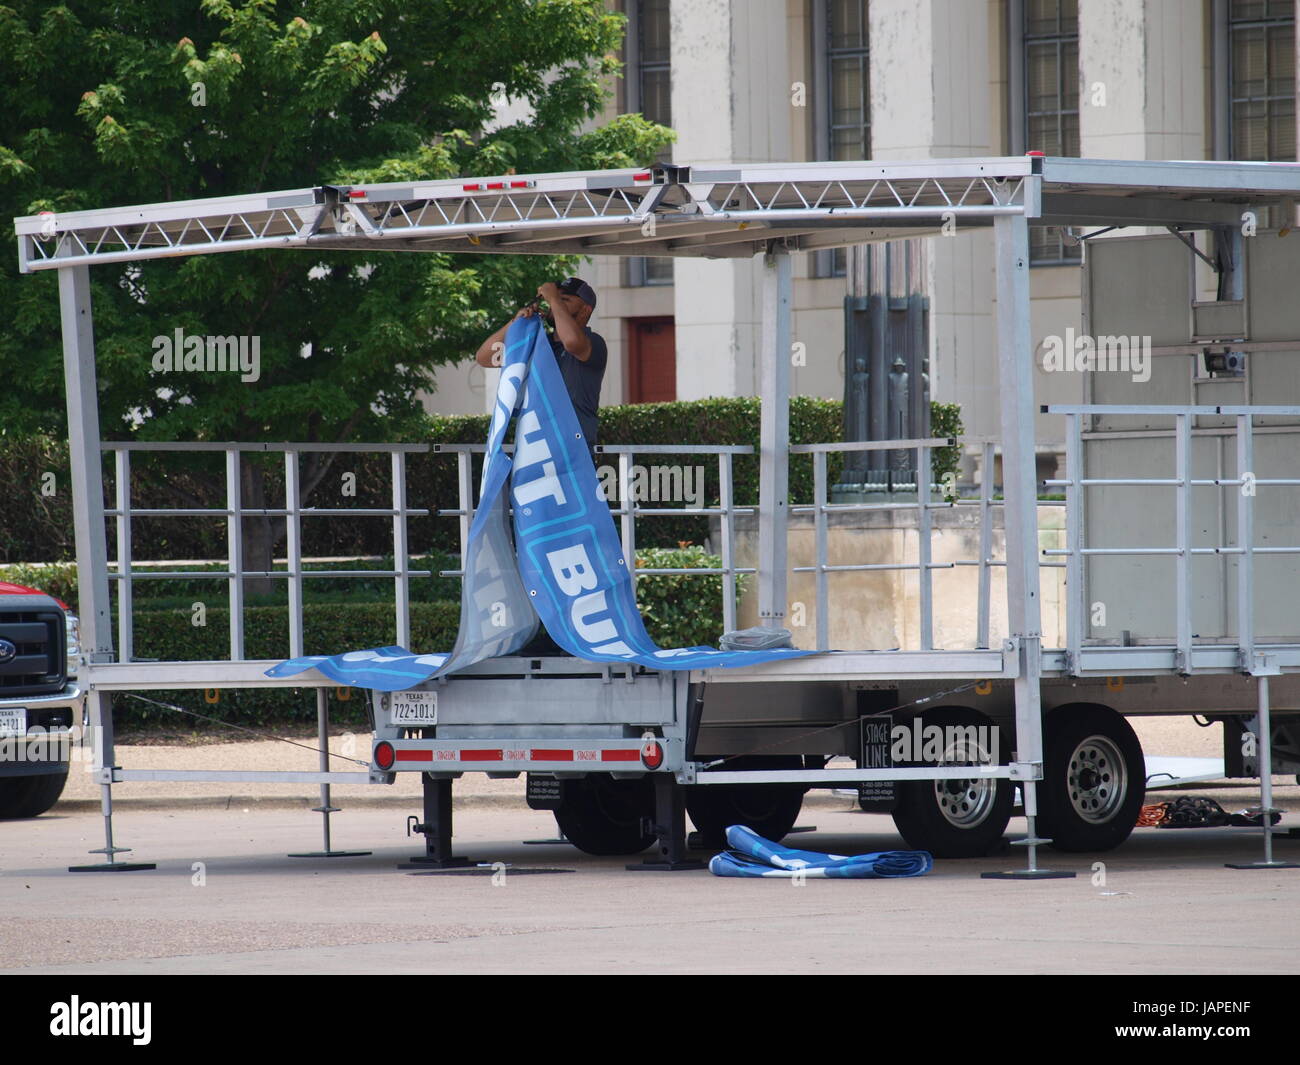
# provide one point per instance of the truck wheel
(1094, 779)
(601, 815)
(956, 818)
(30, 796)
(769, 809)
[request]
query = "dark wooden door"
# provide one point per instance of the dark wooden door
(652, 360)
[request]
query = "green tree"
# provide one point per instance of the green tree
(139, 101)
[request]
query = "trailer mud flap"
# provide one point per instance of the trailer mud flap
(876, 796)
(543, 792)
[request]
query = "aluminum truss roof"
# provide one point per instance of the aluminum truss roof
(704, 211)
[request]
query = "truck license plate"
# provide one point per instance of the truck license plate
(413, 709)
(13, 722)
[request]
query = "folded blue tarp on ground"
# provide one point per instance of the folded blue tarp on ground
(752, 855)
(566, 563)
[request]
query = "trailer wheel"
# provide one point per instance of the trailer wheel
(30, 796)
(956, 818)
(1094, 778)
(769, 809)
(603, 816)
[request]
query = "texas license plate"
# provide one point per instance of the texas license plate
(13, 722)
(413, 708)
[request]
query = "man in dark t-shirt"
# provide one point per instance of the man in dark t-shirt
(580, 352)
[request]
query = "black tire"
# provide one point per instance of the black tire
(769, 809)
(30, 796)
(603, 816)
(1094, 779)
(956, 818)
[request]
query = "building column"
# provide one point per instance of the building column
(730, 76)
(1143, 78)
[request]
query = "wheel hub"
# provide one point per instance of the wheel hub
(1097, 779)
(965, 803)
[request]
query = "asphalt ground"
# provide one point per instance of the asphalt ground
(225, 898)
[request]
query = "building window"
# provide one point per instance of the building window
(648, 88)
(1260, 80)
(841, 65)
(1045, 34)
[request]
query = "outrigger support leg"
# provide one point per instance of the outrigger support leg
(670, 828)
(436, 827)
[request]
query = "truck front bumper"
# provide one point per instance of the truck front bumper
(53, 730)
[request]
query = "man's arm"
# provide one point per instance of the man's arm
(571, 335)
(490, 352)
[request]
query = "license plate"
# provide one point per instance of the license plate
(413, 708)
(13, 722)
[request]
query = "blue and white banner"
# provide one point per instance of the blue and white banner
(753, 856)
(566, 565)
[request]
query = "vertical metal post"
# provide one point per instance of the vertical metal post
(774, 445)
(819, 523)
(627, 519)
(726, 530)
(401, 553)
(85, 465)
(465, 482)
(986, 545)
(122, 491)
(1183, 535)
(326, 807)
(1019, 486)
(87, 477)
(1263, 666)
(235, 554)
(293, 538)
(1076, 611)
(924, 478)
(1265, 764)
(1245, 541)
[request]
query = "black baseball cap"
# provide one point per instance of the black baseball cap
(575, 286)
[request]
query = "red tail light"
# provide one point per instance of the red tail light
(385, 756)
(652, 754)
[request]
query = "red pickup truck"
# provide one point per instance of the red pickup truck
(40, 701)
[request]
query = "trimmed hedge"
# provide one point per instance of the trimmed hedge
(169, 635)
(679, 609)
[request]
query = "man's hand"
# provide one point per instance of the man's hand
(491, 351)
(550, 292)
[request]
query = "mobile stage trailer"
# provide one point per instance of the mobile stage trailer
(620, 751)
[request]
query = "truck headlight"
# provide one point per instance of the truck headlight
(73, 624)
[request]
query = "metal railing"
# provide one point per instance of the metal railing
(1076, 482)
(234, 512)
(923, 450)
(629, 509)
